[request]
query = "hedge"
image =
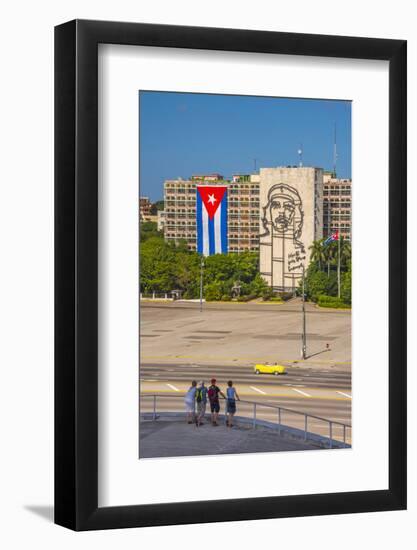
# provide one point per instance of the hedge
(331, 301)
(247, 298)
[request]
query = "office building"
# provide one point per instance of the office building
(337, 206)
(243, 210)
(144, 208)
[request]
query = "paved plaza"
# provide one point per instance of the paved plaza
(167, 438)
(244, 334)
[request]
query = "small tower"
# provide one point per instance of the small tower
(334, 152)
(300, 155)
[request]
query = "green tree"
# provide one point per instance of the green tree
(346, 285)
(187, 273)
(329, 251)
(230, 268)
(156, 266)
(148, 230)
(315, 282)
(213, 291)
(345, 253)
(317, 254)
(258, 286)
(331, 286)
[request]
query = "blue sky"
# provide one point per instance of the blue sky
(183, 134)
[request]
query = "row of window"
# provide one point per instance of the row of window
(241, 240)
(190, 230)
(336, 193)
(346, 204)
(172, 212)
(333, 186)
(242, 249)
(242, 246)
(180, 236)
(337, 225)
(183, 186)
(335, 220)
(336, 210)
(242, 227)
(239, 211)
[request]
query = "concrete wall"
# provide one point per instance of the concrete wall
(291, 218)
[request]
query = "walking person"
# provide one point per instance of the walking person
(189, 401)
(213, 395)
(231, 403)
(201, 401)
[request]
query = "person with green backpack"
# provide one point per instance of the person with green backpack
(201, 400)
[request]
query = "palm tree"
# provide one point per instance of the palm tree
(329, 256)
(317, 252)
(345, 251)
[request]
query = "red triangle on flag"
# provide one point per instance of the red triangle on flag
(211, 196)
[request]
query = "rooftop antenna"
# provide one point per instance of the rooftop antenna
(300, 155)
(334, 152)
(254, 163)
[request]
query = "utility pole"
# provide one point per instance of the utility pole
(338, 240)
(303, 335)
(201, 283)
(338, 260)
(328, 234)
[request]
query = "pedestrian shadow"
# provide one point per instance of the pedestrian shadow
(45, 512)
(317, 353)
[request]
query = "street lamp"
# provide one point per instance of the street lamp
(303, 335)
(201, 283)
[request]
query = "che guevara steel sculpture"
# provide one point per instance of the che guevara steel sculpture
(282, 225)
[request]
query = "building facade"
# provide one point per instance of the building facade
(161, 220)
(291, 218)
(243, 210)
(144, 208)
(337, 206)
(243, 213)
(278, 212)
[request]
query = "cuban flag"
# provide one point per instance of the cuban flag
(211, 219)
(331, 238)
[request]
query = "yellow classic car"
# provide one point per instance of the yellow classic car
(269, 369)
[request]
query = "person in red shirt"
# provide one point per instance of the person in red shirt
(213, 395)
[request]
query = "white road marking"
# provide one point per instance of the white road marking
(298, 385)
(302, 392)
(345, 394)
(149, 380)
(258, 390)
(172, 387)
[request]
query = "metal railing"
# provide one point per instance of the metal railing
(256, 405)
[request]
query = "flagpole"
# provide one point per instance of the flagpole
(201, 283)
(303, 336)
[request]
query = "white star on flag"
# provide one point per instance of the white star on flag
(212, 199)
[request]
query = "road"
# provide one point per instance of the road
(178, 344)
(319, 392)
